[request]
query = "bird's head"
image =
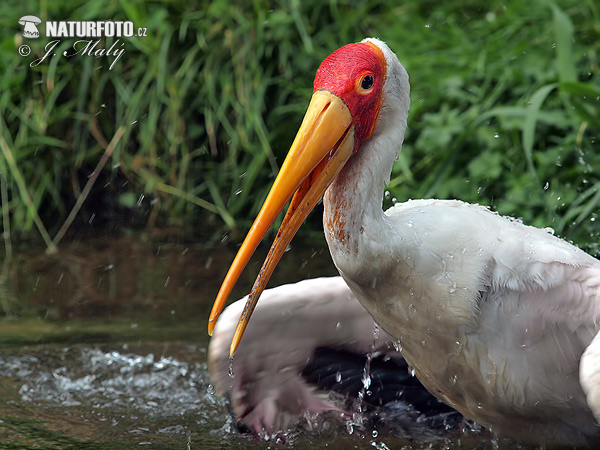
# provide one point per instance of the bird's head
(354, 75)
(351, 88)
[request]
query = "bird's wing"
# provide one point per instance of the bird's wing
(589, 375)
(479, 249)
(535, 341)
(268, 391)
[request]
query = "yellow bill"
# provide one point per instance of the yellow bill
(325, 141)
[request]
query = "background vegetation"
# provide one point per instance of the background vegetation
(188, 128)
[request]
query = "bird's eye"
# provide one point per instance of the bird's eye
(367, 82)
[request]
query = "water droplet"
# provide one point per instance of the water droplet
(374, 433)
(453, 379)
(366, 379)
(547, 185)
(338, 376)
(231, 374)
(412, 309)
(211, 389)
(411, 370)
(238, 192)
(479, 405)
(452, 288)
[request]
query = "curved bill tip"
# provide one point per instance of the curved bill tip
(237, 335)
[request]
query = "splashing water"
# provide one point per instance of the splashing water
(366, 378)
(157, 386)
(231, 373)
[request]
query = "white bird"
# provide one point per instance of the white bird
(493, 315)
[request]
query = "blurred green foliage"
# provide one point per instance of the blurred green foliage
(505, 109)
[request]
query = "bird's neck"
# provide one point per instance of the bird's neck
(353, 214)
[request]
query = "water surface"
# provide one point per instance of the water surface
(103, 345)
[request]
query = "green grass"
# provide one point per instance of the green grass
(505, 111)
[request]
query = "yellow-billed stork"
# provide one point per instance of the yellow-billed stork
(493, 315)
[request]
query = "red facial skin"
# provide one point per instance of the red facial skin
(342, 73)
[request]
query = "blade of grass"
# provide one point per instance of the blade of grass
(88, 186)
(531, 119)
(579, 208)
(214, 191)
(5, 214)
(175, 191)
(167, 189)
(563, 30)
(590, 206)
(18, 177)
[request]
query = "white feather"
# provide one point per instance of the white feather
(267, 392)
